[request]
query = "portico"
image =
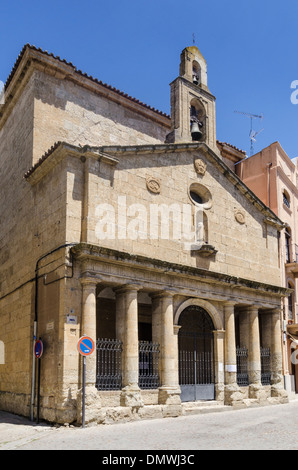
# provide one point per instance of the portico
(233, 323)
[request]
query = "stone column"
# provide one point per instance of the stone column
(127, 332)
(163, 322)
(176, 355)
(277, 388)
(254, 353)
(219, 357)
(232, 391)
(88, 324)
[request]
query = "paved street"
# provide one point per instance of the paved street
(271, 427)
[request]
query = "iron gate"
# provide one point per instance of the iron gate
(109, 376)
(196, 355)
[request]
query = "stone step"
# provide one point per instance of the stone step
(200, 407)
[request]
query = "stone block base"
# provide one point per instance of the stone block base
(280, 393)
(233, 395)
(131, 396)
(169, 396)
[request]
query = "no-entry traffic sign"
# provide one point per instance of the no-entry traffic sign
(86, 345)
(38, 349)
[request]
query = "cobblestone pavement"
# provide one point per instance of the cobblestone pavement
(270, 427)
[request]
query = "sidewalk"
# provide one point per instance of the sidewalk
(270, 427)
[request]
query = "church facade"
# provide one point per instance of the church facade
(130, 226)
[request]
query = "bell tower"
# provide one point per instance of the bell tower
(192, 104)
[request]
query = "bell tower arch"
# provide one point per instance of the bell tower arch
(192, 104)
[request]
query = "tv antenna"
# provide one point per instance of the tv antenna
(253, 134)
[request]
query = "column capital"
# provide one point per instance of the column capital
(253, 308)
(229, 303)
(176, 329)
(163, 293)
(88, 279)
(127, 287)
(219, 333)
(276, 311)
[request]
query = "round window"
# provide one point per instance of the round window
(200, 195)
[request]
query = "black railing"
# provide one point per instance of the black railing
(265, 366)
(109, 376)
(148, 365)
(242, 367)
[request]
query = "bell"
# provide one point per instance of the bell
(195, 79)
(195, 131)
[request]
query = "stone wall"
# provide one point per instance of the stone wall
(65, 111)
(246, 246)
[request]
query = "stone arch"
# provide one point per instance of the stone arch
(210, 309)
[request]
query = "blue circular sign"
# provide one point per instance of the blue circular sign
(38, 349)
(86, 345)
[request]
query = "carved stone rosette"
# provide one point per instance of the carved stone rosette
(240, 216)
(153, 185)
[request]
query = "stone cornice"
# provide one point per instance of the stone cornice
(85, 251)
(57, 153)
(204, 91)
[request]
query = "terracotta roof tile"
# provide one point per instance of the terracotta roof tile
(99, 82)
(232, 146)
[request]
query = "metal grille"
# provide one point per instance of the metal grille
(148, 365)
(109, 375)
(242, 367)
(196, 368)
(265, 366)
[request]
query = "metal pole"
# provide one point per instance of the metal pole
(84, 386)
(38, 392)
(33, 374)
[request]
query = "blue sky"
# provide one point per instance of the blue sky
(251, 47)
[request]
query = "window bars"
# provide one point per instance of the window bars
(265, 366)
(148, 365)
(109, 364)
(242, 367)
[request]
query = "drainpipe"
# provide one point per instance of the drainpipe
(33, 378)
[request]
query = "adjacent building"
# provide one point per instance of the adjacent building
(273, 177)
(130, 226)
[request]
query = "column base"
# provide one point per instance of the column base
(220, 392)
(277, 391)
(233, 395)
(92, 404)
(257, 392)
(169, 396)
(131, 397)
